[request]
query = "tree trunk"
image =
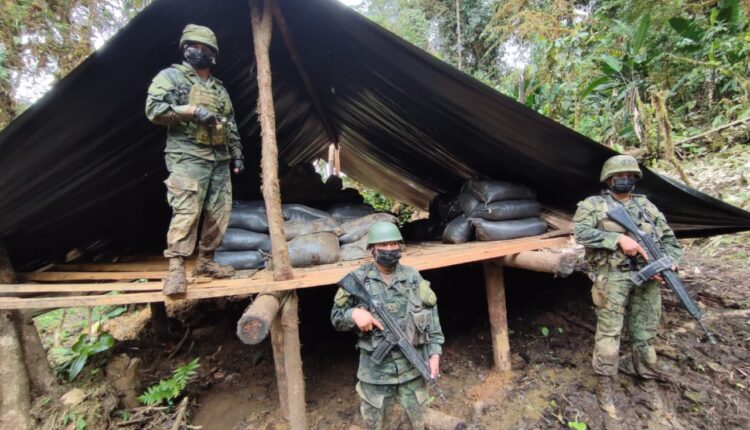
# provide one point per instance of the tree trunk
(494, 282)
(40, 373)
(261, 22)
(458, 34)
(15, 389)
(255, 323)
(293, 362)
(658, 102)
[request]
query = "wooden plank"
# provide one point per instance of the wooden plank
(421, 258)
(128, 266)
(90, 276)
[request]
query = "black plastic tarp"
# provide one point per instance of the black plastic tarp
(83, 166)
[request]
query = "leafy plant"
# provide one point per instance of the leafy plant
(545, 331)
(577, 425)
(169, 389)
(76, 357)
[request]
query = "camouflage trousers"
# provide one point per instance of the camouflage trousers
(377, 401)
(197, 186)
(616, 299)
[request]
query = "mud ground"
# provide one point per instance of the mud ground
(551, 385)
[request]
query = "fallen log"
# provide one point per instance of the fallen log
(255, 323)
(559, 264)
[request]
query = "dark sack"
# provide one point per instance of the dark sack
(294, 229)
(249, 219)
(458, 231)
(490, 191)
(444, 207)
(508, 209)
(468, 202)
(354, 230)
(252, 205)
(422, 230)
(313, 249)
(241, 260)
(344, 212)
(296, 212)
(237, 239)
(501, 230)
(355, 250)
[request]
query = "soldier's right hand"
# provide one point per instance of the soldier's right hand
(631, 248)
(204, 116)
(364, 320)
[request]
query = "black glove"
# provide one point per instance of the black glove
(205, 116)
(238, 164)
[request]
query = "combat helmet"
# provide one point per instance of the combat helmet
(620, 164)
(382, 232)
(199, 34)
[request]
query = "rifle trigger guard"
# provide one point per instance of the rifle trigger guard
(651, 270)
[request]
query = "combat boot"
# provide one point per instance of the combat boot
(207, 266)
(176, 282)
(605, 395)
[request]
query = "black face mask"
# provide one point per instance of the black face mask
(198, 58)
(623, 185)
(388, 258)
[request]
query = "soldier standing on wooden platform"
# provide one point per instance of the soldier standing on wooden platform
(202, 142)
(613, 256)
(405, 294)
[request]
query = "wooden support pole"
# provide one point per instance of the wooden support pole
(159, 320)
(261, 23)
(337, 160)
(331, 160)
(557, 263)
(291, 382)
(494, 283)
(15, 387)
(282, 384)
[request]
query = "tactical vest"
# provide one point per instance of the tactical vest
(645, 220)
(415, 318)
(192, 90)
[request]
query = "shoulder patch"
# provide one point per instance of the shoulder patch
(428, 297)
(341, 297)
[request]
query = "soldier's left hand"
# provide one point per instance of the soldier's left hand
(238, 165)
(434, 366)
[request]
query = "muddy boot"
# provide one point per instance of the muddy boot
(208, 267)
(176, 282)
(605, 395)
(648, 395)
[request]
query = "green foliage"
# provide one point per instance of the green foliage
(76, 357)
(169, 389)
(78, 422)
(544, 330)
(380, 202)
(577, 425)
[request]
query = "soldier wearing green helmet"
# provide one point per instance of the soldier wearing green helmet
(202, 145)
(612, 256)
(403, 292)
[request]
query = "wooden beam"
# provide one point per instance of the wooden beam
(293, 361)
(557, 263)
(294, 53)
(494, 282)
(419, 257)
(257, 319)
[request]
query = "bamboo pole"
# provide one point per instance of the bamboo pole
(494, 281)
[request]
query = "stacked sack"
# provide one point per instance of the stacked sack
(313, 236)
(493, 210)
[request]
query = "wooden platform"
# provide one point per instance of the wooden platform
(95, 284)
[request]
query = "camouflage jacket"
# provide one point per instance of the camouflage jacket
(179, 86)
(411, 300)
(599, 235)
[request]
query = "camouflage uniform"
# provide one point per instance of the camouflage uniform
(411, 300)
(197, 157)
(613, 294)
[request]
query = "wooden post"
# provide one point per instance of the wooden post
(159, 320)
(337, 160)
(291, 383)
(494, 283)
(277, 342)
(15, 388)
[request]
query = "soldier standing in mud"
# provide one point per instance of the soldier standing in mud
(202, 142)
(404, 293)
(613, 256)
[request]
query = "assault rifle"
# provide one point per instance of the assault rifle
(659, 263)
(394, 334)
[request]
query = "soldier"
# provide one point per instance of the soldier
(202, 138)
(403, 292)
(613, 257)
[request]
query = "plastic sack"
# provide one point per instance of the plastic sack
(502, 230)
(241, 260)
(508, 209)
(354, 230)
(294, 229)
(490, 191)
(355, 250)
(237, 239)
(249, 219)
(344, 212)
(313, 249)
(458, 231)
(297, 212)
